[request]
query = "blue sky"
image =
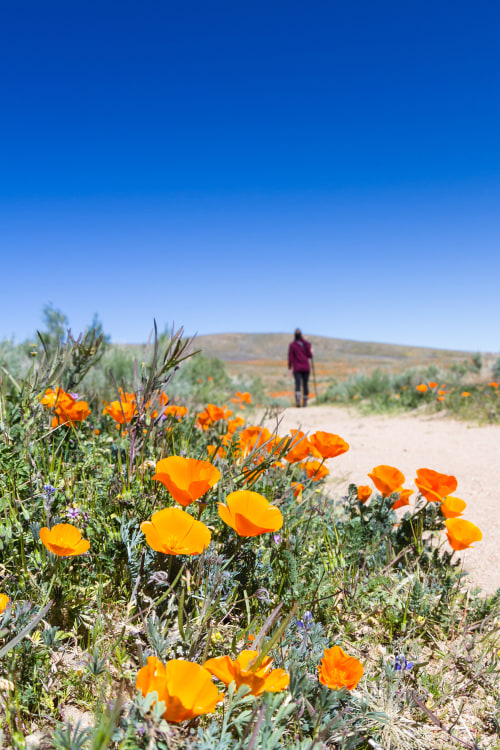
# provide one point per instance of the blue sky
(253, 167)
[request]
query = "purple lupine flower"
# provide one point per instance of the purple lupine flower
(402, 664)
(277, 538)
(306, 623)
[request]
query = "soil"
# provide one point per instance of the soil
(468, 451)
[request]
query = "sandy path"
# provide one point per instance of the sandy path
(411, 442)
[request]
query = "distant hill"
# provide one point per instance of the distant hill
(265, 354)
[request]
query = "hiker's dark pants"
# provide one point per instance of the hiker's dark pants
(301, 382)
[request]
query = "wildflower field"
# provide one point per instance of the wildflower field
(174, 575)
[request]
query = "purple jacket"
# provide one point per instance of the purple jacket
(299, 354)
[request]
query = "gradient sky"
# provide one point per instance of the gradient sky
(252, 167)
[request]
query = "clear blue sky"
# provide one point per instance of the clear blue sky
(253, 167)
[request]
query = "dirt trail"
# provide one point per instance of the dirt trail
(410, 442)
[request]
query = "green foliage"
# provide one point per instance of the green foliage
(78, 629)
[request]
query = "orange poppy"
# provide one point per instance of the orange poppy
(435, 486)
(176, 411)
(364, 493)
(186, 688)
(53, 397)
(253, 437)
(260, 680)
(70, 413)
(174, 532)
(441, 393)
(233, 424)
(465, 394)
(250, 513)
(440, 398)
(187, 479)
(337, 670)
(328, 445)
(121, 411)
(422, 388)
(316, 470)
(64, 540)
(242, 398)
(404, 499)
(451, 507)
(462, 533)
(213, 450)
(432, 384)
(297, 489)
(300, 447)
(493, 384)
(387, 479)
(4, 600)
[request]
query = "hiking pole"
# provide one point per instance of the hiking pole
(314, 378)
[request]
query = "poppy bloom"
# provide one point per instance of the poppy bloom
(316, 470)
(73, 412)
(213, 450)
(493, 384)
(337, 670)
(174, 532)
(435, 486)
(387, 479)
(328, 445)
(53, 397)
(64, 540)
(440, 398)
(186, 688)
(462, 533)
(432, 384)
(250, 513)
(233, 424)
(300, 447)
(260, 680)
(121, 411)
(297, 489)
(253, 437)
(465, 394)
(451, 507)
(187, 479)
(422, 388)
(4, 600)
(364, 493)
(176, 411)
(403, 499)
(212, 413)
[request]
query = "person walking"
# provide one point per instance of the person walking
(299, 353)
